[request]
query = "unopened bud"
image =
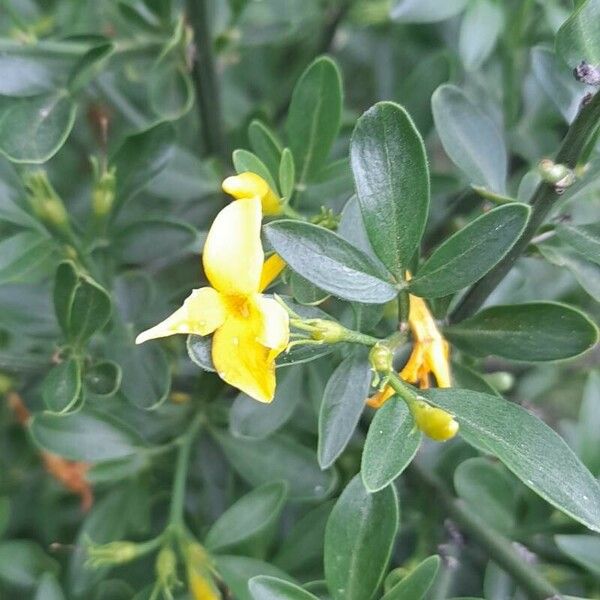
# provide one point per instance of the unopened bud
(103, 194)
(381, 359)
(433, 422)
(200, 580)
(501, 380)
(44, 200)
(166, 567)
(560, 176)
(329, 332)
(113, 553)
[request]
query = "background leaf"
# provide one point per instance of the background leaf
(577, 39)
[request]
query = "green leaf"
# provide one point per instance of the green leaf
(148, 375)
(247, 518)
(314, 116)
(577, 39)
(140, 158)
(583, 238)
(358, 541)
(22, 563)
(61, 388)
(271, 588)
(243, 161)
(265, 145)
(479, 31)
(583, 549)
(417, 583)
(34, 128)
(252, 419)
(278, 458)
(89, 66)
(22, 253)
(330, 262)
(588, 442)
(302, 547)
(154, 239)
(287, 174)
(425, 11)
(305, 292)
(535, 331)
(536, 454)
(237, 571)
(343, 404)
(171, 91)
(199, 350)
(85, 435)
(391, 444)
(487, 489)
(82, 306)
(4, 514)
(392, 183)
(470, 138)
(48, 588)
(470, 253)
(104, 378)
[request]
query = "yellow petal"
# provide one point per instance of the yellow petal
(241, 360)
(233, 255)
(271, 270)
(250, 185)
(201, 584)
(275, 331)
(202, 312)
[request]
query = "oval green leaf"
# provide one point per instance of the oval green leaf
(583, 238)
(62, 386)
(34, 128)
(391, 444)
(271, 588)
(417, 583)
(470, 253)
(359, 537)
(392, 183)
(343, 404)
(535, 331)
(534, 452)
(313, 119)
(85, 435)
(330, 262)
(577, 40)
(470, 138)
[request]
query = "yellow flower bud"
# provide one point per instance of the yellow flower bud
(113, 553)
(250, 185)
(381, 358)
(434, 422)
(166, 567)
(329, 332)
(200, 580)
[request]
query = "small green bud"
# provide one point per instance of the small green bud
(166, 567)
(329, 332)
(560, 176)
(502, 380)
(45, 202)
(113, 553)
(381, 359)
(103, 192)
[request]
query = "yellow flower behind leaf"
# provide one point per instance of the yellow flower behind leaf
(250, 330)
(430, 354)
(249, 185)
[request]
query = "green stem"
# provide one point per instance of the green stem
(402, 389)
(498, 547)
(181, 471)
(205, 80)
(58, 47)
(543, 201)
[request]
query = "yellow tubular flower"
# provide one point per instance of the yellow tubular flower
(200, 580)
(430, 353)
(271, 270)
(250, 330)
(250, 185)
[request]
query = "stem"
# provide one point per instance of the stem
(205, 80)
(499, 548)
(181, 470)
(543, 201)
(402, 389)
(58, 47)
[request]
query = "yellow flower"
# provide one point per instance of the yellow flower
(250, 330)
(200, 580)
(249, 185)
(430, 353)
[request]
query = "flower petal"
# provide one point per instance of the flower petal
(233, 254)
(202, 312)
(250, 185)
(241, 360)
(271, 270)
(275, 330)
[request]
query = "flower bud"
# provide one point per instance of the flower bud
(166, 567)
(381, 359)
(45, 202)
(329, 332)
(103, 193)
(113, 553)
(434, 422)
(556, 174)
(200, 580)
